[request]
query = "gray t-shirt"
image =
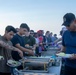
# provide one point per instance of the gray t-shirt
(7, 55)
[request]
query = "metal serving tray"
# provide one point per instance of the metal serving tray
(19, 72)
(36, 60)
(40, 62)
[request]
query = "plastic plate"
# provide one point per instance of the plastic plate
(63, 55)
(13, 63)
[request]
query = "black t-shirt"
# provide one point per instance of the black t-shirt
(17, 39)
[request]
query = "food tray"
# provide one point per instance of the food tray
(48, 53)
(35, 62)
(19, 72)
(39, 60)
(36, 71)
(41, 57)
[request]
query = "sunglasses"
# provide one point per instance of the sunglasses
(31, 33)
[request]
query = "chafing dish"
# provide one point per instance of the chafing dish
(36, 62)
(20, 72)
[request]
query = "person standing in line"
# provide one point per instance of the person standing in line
(29, 40)
(69, 43)
(6, 48)
(18, 42)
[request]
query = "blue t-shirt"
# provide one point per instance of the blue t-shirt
(17, 39)
(69, 41)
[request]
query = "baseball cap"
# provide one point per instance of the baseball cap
(68, 18)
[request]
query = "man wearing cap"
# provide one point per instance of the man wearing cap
(69, 43)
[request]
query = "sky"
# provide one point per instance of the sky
(46, 15)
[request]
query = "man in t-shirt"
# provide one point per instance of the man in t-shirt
(29, 39)
(69, 43)
(6, 48)
(18, 41)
